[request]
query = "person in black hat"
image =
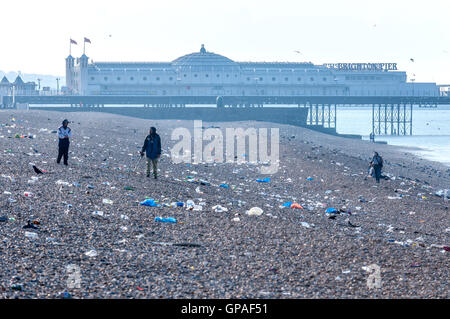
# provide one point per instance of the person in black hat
(152, 148)
(64, 134)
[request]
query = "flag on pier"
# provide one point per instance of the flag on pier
(87, 40)
(73, 42)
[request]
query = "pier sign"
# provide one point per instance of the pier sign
(362, 66)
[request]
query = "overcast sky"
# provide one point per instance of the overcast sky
(35, 34)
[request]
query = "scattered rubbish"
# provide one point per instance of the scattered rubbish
(129, 188)
(186, 245)
(310, 179)
(30, 225)
(305, 224)
(351, 225)
(254, 211)
(165, 220)
(66, 295)
(265, 180)
(60, 182)
(18, 287)
(183, 244)
(219, 209)
(107, 201)
(28, 194)
(236, 219)
(197, 190)
(91, 253)
(224, 185)
(149, 202)
(444, 193)
(33, 180)
(31, 235)
(97, 213)
(296, 205)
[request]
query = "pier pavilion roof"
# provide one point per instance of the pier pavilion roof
(203, 58)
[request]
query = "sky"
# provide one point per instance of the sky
(35, 34)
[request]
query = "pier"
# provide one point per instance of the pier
(391, 115)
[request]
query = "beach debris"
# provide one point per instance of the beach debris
(254, 211)
(61, 182)
(219, 209)
(265, 180)
(198, 191)
(31, 235)
(166, 220)
(18, 287)
(305, 224)
(443, 193)
(98, 213)
(66, 295)
(287, 204)
(91, 253)
(296, 205)
(149, 202)
(31, 225)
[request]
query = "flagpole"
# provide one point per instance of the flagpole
(84, 46)
(70, 46)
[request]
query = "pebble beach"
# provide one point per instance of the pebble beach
(88, 216)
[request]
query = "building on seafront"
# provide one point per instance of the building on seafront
(18, 87)
(206, 73)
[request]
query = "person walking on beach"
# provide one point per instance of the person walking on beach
(152, 148)
(377, 164)
(64, 134)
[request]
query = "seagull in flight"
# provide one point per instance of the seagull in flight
(412, 60)
(297, 51)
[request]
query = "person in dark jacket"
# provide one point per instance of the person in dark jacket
(152, 148)
(64, 134)
(377, 164)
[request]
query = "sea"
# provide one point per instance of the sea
(430, 130)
